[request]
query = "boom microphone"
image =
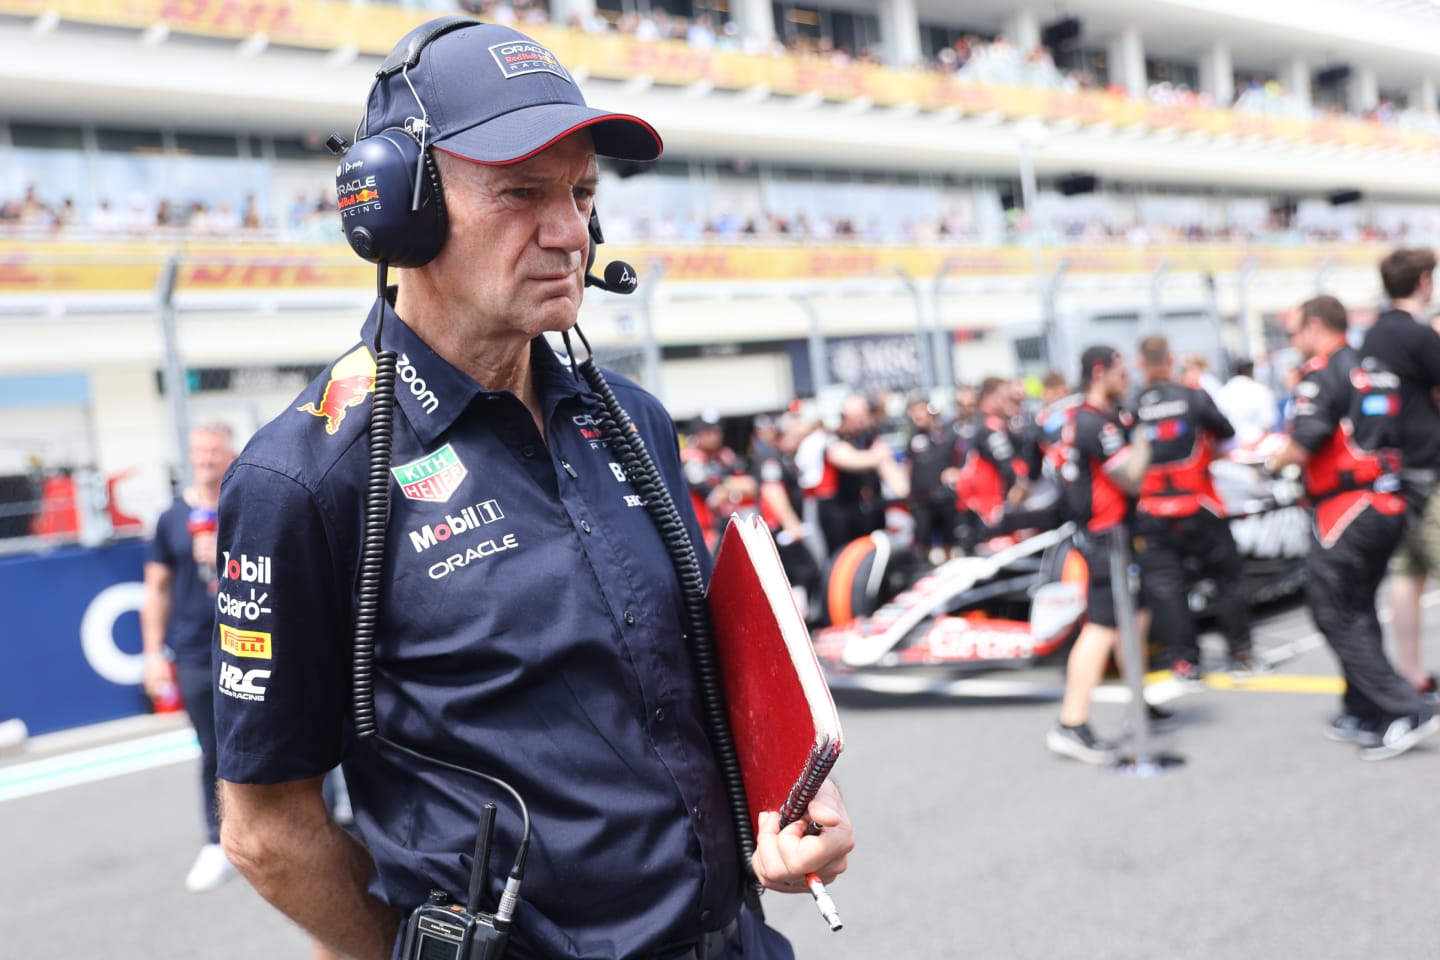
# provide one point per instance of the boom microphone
(619, 278)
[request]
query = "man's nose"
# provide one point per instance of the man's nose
(563, 226)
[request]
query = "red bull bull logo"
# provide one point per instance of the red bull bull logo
(361, 198)
(351, 380)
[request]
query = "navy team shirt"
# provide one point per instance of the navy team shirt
(192, 605)
(530, 628)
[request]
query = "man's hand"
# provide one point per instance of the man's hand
(159, 678)
(783, 857)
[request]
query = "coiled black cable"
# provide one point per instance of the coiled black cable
(644, 476)
(377, 518)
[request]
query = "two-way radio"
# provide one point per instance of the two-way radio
(441, 929)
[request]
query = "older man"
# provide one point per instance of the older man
(530, 621)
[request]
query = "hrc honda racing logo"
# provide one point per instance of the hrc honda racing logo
(242, 684)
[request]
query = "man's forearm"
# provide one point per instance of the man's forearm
(316, 874)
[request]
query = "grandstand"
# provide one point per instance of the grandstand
(916, 190)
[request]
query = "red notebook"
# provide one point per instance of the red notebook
(787, 733)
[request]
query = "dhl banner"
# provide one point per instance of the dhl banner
(54, 268)
(374, 29)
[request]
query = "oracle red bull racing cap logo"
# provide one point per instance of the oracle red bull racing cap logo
(351, 380)
(518, 58)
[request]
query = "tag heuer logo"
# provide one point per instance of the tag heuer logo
(434, 477)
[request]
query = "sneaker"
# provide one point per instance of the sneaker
(1348, 728)
(1187, 672)
(211, 869)
(13, 734)
(1079, 743)
(1244, 663)
(1402, 734)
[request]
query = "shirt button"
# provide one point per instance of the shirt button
(705, 916)
(660, 715)
(699, 815)
(629, 619)
(527, 451)
(585, 525)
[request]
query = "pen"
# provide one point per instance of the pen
(823, 901)
(817, 889)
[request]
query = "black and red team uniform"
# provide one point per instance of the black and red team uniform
(1090, 440)
(704, 473)
(992, 465)
(1346, 416)
(1179, 518)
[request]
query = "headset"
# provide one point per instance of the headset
(392, 208)
(387, 186)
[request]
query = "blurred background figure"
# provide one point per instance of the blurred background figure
(1248, 404)
(177, 622)
(1181, 518)
(1407, 346)
(1195, 374)
(930, 451)
(845, 470)
(719, 484)
(772, 467)
(994, 476)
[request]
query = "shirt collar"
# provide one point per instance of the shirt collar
(432, 393)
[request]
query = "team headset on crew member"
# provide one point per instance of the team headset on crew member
(397, 162)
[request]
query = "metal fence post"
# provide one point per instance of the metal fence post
(1124, 578)
(177, 388)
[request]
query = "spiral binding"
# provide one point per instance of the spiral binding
(822, 760)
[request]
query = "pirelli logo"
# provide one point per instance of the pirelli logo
(244, 643)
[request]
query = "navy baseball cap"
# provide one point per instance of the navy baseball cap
(492, 95)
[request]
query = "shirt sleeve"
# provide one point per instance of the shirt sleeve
(283, 635)
(160, 548)
(1098, 438)
(1315, 420)
(1210, 417)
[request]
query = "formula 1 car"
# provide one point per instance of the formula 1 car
(1020, 599)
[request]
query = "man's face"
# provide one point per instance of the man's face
(920, 417)
(211, 454)
(710, 438)
(1116, 379)
(1300, 338)
(515, 251)
(965, 402)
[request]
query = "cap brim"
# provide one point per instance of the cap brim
(521, 134)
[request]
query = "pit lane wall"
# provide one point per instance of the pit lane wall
(70, 653)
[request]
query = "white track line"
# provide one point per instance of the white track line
(27, 779)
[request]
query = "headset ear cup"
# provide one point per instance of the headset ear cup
(375, 190)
